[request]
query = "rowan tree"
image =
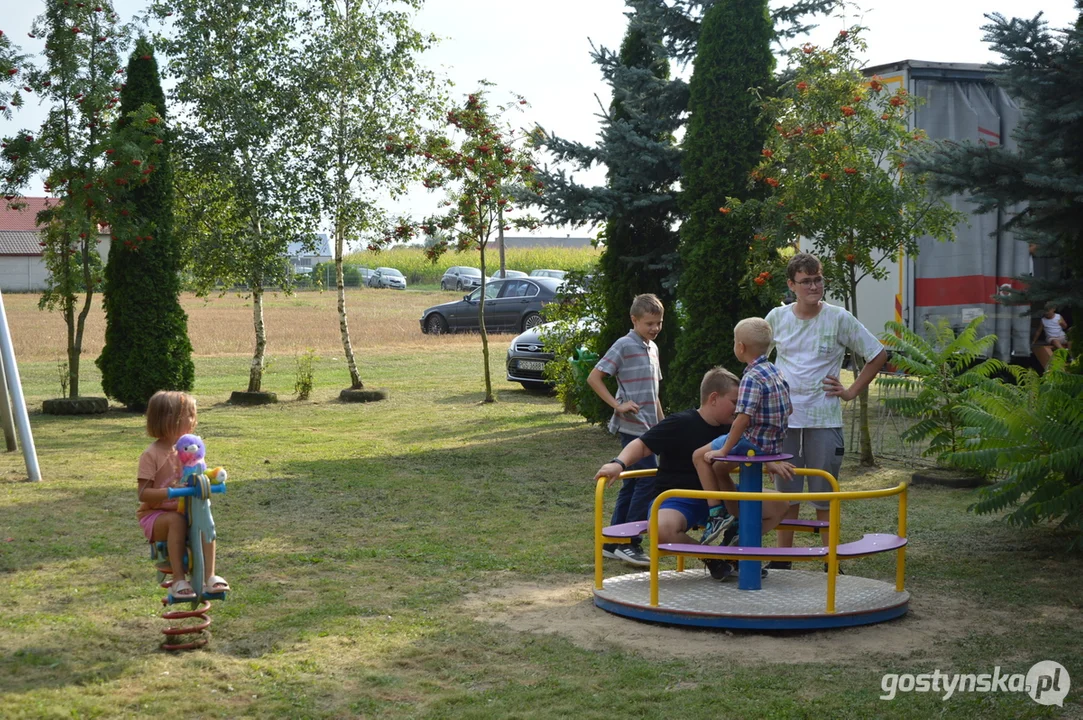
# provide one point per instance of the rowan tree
(76, 151)
(483, 166)
(833, 171)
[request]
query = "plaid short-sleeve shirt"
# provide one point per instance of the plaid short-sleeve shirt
(764, 395)
(633, 361)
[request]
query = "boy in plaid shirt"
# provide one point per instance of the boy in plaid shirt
(762, 412)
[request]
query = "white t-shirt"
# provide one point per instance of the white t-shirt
(810, 350)
(1053, 330)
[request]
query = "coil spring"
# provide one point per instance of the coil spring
(178, 631)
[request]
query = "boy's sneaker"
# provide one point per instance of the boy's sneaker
(610, 551)
(719, 569)
(633, 555)
(716, 525)
(731, 533)
(780, 565)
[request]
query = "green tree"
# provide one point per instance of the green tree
(723, 142)
(238, 161)
(365, 88)
(12, 63)
(482, 173)
(74, 150)
(834, 172)
(1043, 174)
(146, 331)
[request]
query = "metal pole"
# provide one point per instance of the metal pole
(750, 524)
(15, 388)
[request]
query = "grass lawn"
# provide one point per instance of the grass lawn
(430, 557)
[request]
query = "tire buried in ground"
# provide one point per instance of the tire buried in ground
(75, 406)
(252, 398)
(356, 396)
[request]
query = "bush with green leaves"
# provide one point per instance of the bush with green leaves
(572, 336)
(1028, 437)
(937, 373)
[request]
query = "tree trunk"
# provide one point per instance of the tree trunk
(343, 323)
(255, 373)
(484, 335)
(864, 436)
(500, 237)
(76, 349)
(73, 353)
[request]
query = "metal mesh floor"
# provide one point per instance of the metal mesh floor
(795, 595)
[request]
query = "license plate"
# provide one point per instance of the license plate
(531, 365)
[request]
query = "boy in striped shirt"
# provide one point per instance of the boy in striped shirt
(633, 361)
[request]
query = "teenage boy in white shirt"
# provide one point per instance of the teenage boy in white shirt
(811, 338)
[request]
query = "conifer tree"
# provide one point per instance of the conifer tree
(146, 331)
(722, 145)
(1043, 72)
(638, 204)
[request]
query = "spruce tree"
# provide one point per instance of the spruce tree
(146, 334)
(721, 147)
(1043, 72)
(638, 202)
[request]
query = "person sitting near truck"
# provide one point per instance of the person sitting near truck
(1054, 328)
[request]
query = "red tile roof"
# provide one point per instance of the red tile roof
(24, 218)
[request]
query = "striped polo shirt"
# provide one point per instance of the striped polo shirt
(633, 361)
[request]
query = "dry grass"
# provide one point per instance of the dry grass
(223, 326)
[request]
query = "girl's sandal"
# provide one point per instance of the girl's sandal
(216, 584)
(182, 590)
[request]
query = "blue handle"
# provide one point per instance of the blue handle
(194, 491)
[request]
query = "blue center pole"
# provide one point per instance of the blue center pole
(751, 524)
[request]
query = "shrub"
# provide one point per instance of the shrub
(305, 372)
(1029, 438)
(941, 369)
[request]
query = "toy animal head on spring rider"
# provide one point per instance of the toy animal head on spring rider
(190, 452)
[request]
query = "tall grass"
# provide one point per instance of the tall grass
(417, 268)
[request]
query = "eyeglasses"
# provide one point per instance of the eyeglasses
(812, 281)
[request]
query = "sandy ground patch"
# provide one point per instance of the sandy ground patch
(566, 608)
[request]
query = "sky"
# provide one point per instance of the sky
(542, 51)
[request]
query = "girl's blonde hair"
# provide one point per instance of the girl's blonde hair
(167, 412)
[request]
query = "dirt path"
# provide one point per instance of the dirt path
(565, 608)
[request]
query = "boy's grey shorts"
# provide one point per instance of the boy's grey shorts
(819, 448)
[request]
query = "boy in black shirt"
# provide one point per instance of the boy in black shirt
(674, 440)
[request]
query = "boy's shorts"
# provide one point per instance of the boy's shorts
(819, 448)
(695, 511)
(741, 448)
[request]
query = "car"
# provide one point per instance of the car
(384, 277)
(365, 273)
(511, 305)
(460, 278)
(558, 274)
(508, 274)
(527, 355)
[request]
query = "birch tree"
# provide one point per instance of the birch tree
(237, 98)
(365, 88)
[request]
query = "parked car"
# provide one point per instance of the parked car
(508, 273)
(511, 305)
(365, 273)
(527, 355)
(558, 274)
(384, 277)
(460, 278)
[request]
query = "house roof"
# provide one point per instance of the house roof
(19, 242)
(25, 217)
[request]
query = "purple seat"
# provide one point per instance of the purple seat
(870, 544)
(635, 529)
